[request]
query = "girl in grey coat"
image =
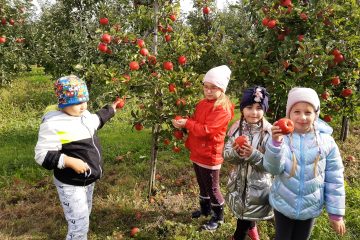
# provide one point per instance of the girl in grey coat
(248, 186)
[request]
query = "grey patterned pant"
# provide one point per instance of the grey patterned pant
(76, 202)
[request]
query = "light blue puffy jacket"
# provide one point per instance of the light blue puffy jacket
(303, 195)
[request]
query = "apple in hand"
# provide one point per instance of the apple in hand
(241, 140)
(286, 125)
(121, 102)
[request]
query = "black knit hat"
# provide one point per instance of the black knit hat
(253, 95)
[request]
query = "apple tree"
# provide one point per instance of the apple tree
(282, 44)
(146, 57)
(14, 26)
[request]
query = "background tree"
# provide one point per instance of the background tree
(300, 43)
(14, 32)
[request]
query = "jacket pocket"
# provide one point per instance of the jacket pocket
(258, 195)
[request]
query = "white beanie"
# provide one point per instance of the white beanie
(219, 76)
(300, 94)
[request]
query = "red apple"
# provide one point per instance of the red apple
(286, 125)
(139, 126)
(11, 22)
(178, 134)
(151, 59)
(134, 231)
(265, 22)
(241, 140)
(134, 66)
(166, 141)
(351, 158)
(144, 51)
(172, 17)
(172, 87)
(106, 38)
(335, 81)
(102, 47)
(300, 38)
(285, 3)
(126, 77)
(121, 103)
(167, 37)
(281, 37)
(2, 40)
(303, 16)
(177, 117)
(271, 24)
(3, 21)
(206, 10)
(338, 58)
(346, 92)
(182, 60)
(327, 118)
(325, 95)
(140, 43)
(168, 66)
(336, 52)
(169, 28)
(176, 149)
(180, 102)
(104, 21)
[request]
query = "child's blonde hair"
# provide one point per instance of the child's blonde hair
(293, 157)
(224, 101)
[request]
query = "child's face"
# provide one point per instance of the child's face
(253, 113)
(75, 110)
(303, 115)
(211, 91)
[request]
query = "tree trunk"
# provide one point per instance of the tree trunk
(344, 128)
(153, 160)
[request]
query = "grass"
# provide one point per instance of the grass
(29, 205)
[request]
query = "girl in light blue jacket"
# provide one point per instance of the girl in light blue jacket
(308, 170)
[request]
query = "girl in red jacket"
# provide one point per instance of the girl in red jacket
(206, 134)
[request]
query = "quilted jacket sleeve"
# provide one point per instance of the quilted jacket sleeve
(334, 192)
(274, 161)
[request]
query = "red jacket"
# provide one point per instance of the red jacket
(207, 129)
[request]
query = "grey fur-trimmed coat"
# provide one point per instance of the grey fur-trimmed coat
(249, 185)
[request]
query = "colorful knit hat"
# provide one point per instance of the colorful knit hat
(253, 95)
(71, 90)
(219, 76)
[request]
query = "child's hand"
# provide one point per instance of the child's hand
(244, 151)
(179, 123)
(276, 133)
(118, 103)
(78, 165)
(338, 226)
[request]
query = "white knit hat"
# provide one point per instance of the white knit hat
(219, 76)
(300, 94)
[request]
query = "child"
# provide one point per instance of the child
(249, 184)
(308, 170)
(67, 144)
(207, 129)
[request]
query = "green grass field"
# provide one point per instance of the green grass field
(30, 209)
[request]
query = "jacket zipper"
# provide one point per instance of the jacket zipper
(93, 142)
(301, 177)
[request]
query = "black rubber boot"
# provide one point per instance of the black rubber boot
(205, 209)
(217, 218)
